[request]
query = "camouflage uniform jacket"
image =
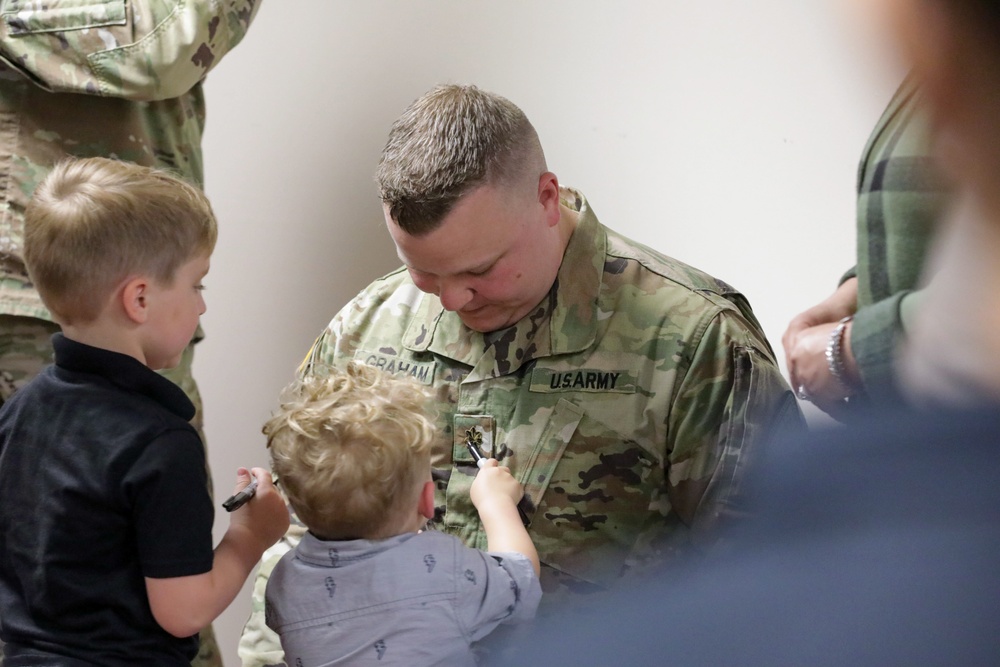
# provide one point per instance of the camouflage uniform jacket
(625, 405)
(112, 78)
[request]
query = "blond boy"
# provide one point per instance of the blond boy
(107, 553)
(367, 585)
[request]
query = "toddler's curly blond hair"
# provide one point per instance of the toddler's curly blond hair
(351, 450)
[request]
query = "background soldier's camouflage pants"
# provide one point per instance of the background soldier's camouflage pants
(25, 348)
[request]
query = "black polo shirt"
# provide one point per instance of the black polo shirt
(102, 483)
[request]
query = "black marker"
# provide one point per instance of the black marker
(474, 437)
(239, 499)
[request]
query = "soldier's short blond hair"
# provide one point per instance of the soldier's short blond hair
(448, 142)
(93, 223)
(351, 450)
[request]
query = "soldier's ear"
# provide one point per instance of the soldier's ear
(426, 503)
(548, 197)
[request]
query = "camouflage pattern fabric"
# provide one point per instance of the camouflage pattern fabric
(25, 349)
(627, 405)
(103, 78)
(111, 78)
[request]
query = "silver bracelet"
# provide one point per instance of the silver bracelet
(835, 356)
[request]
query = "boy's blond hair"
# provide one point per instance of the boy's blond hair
(92, 223)
(352, 451)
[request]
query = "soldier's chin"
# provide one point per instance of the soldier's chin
(482, 320)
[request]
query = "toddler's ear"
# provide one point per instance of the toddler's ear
(426, 506)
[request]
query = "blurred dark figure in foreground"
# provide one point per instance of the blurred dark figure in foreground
(877, 544)
(873, 546)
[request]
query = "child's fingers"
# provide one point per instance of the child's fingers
(263, 476)
(243, 477)
(492, 463)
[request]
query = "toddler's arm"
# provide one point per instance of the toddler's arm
(184, 605)
(495, 493)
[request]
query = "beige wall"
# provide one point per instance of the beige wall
(725, 133)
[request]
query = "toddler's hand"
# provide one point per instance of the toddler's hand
(494, 483)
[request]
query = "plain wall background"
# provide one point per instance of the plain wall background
(724, 133)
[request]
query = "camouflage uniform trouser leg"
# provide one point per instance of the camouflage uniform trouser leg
(26, 348)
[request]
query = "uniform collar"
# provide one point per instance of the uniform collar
(571, 324)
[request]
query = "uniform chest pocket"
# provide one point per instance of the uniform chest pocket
(533, 467)
(23, 17)
(545, 456)
(596, 493)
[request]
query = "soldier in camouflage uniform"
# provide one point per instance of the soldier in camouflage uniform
(111, 78)
(624, 389)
